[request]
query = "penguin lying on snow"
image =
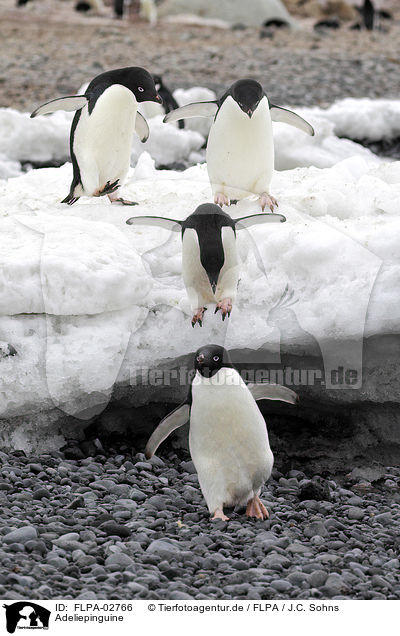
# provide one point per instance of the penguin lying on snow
(102, 130)
(240, 148)
(210, 265)
(228, 438)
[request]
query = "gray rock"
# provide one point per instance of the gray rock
(384, 518)
(164, 548)
(316, 528)
(20, 535)
(355, 513)
(317, 578)
(281, 586)
(119, 560)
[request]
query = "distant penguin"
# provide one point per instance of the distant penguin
(102, 130)
(368, 14)
(210, 264)
(169, 101)
(119, 8)
(240, 148)
(228, 438)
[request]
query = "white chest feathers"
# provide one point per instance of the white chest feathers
(240, 150)
(228, 440)
(194, 274)
(103, 140)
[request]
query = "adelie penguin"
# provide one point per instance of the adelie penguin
(240, 148)
(102, 130)
(210, 264)
(228, 438)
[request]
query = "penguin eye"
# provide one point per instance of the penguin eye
(216, 358)
(140, 89)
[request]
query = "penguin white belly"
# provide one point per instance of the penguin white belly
(240, 151)
(103, 140)
(228, 440)
(194, 275)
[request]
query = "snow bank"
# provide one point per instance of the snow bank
(88, 301)
(46, 139)
(365, 119)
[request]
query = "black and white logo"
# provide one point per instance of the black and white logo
(26, 615)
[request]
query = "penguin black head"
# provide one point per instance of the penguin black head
(247, 93)
(142, 85)
(208, 360)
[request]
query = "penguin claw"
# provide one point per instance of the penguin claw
(255, 508)
(198, 317)
(225, 306)
(109, 188)
(267, 200)
(70, 200)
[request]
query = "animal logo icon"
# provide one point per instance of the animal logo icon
(26, 615)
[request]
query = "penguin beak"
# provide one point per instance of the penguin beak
(158, 99)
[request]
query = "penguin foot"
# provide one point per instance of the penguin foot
(70, 199)
(198, 316)
(225, 305)
(221, 199)
(219, 514)
(122, 201)
(267, 200)
(255, 508)
(109, 188)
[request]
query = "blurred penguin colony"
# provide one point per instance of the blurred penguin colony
(327, 14)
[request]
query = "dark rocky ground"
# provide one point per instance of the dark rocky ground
(116, 526)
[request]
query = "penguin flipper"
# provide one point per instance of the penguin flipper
(159, 221)
(256, 219)
(267, 391)
(174, 420)
(74, 102)
(289, 117)
(197, 109)
(141, 127)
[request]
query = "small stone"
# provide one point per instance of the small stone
(112, 528)
(120, 560)
(316, 528)
(385, 518)
(355, 513)
(281, 585)
(317, 578)
(21, 535)
(164, 548)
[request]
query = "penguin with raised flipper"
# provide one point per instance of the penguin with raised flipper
(210, 264)
(102, 130)
(228, 438)
(240, 148)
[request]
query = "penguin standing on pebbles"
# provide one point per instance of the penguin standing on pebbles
(102, 130)
(228, 438)
(240, 148)
(210, 264)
